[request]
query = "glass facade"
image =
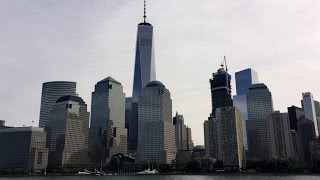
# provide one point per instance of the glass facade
(260, 105)
(309, 109)
(144, 72)
(68, 132)
(107, 107)
(51, 92)
(244, 79)
(155, 128)
(294, 114)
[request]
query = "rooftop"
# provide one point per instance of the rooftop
(110, 79)
(70, 98)
(155, 83)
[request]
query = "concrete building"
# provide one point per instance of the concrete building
(190, 144)
(306, 133)
(317, 110)
(68, 132)
(294, 114)
(156, 142)
(23, 147)
(231, 136)
(144, 72)
(280, 136)
(260, 105)
(51, 92)
(244, 79)
(309, 110)
(107, 127)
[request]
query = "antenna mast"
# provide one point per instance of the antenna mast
(225, 62)
(144, 13)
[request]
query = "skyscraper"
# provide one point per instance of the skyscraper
(306, 133)
(156, 142)
(68, 132)
(244, 79)
(260, 105)
(51, 92)
(182, 133)
(294, 114)
(231, 137)
(107, 120)
(309, 110)
(280, 135)
(220, 86)
(220, 89)
(144, 72)
(128, 107)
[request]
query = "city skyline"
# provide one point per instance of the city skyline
(62, 46)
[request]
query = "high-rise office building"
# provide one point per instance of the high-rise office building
(280, 135)
(190, 144)
(156, 142)
(220, 85)
(182, 133)
(2, 124)
(309, 109)
(294, 114)
(128, 107)
(107, 120)
(317, 109)
(23, 147)
(51, 92)
(244, 79)
(231, 137)
(144, 72)
(68, 132)
(306, 134)
(260, 105)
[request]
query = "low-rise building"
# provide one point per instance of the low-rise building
(23, 147)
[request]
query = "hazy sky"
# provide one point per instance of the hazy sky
(86, 41)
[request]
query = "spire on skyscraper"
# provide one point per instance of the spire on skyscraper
(225, 62)
(144, 12)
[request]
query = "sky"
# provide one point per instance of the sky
(86, 41)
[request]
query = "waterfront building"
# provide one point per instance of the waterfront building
(244, 79)
(68, 132)
(190, 144)
(156, 132)
(260, 105)
(231, 137)
(309, 109)
(144, 72)
(2, 124)
(51, 92)
(280, 135)
(306, 133)
(317, 110)
(107, 121)
(294, 114)
(23, 147)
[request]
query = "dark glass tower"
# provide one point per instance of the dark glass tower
(220, 89)
(294, 114)
(144, 72)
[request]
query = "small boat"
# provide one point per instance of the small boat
(148, 172)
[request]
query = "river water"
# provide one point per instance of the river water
(171, 177)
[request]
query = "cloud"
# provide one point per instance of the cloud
(87, 41)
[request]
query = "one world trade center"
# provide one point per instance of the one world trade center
(144, 72)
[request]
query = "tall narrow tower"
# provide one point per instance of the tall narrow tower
(144, 72)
